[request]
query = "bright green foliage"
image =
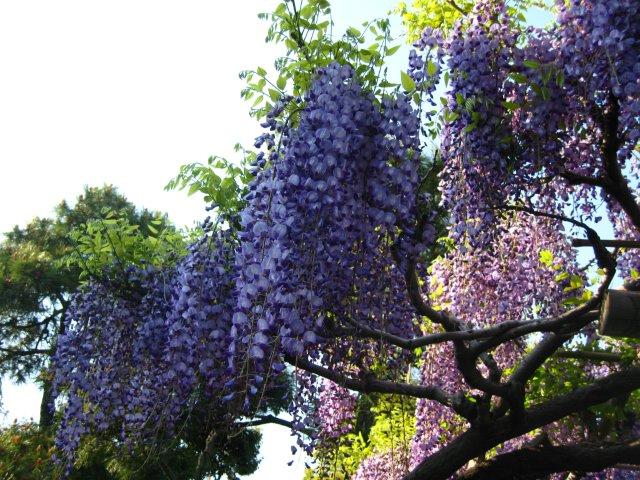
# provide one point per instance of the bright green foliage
(222, 182)
(443, 14)
(394, 425)
(112, 240)
(306, 30)
(431, 13)
(384, 424)
(339, 459)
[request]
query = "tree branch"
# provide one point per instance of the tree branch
(583, 242)
(368, 384)
(457, 7)
(594, 356)
(272, 419)
(476, 441)
(577, 179)
(547, 459)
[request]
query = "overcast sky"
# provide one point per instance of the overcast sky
(124, 92)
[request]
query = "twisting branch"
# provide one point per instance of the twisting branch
(604, 258)
(577, 179)
(272, 419)
(368, 384)
(527, 368)
(573, 319)
(589, 355)
(612, 181)
(450, 324)
(547, 459)
(583, 242)
(457, 7)
(537, 357)
(521, 327)
(476, 441)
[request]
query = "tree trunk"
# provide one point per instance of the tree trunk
(46, 410)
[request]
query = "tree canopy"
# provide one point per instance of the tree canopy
(401, 253)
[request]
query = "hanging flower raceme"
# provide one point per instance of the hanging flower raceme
(336, 410)
(319, 227)
(142, 347)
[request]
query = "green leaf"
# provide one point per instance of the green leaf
(387, 84)
(282, 82)
(193, 189)
(510, 105)
(261, 71)
(290, 44)
(274, 94)
(307, 11)
(532, 64)
(432, 68)
(546, 257)
(391, 50)
(354, 32)
(407, 82)
(518, 77)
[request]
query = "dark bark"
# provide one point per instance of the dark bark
(588, 355)
(46, 410)
(476, 441)
(369, 384)
(534, 462)
(583, 242)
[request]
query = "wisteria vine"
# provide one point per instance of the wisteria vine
(331, 269)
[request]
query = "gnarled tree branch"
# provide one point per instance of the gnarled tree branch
(545, 459)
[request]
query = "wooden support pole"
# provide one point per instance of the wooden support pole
(620, 316)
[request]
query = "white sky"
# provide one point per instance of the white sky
(124, 92)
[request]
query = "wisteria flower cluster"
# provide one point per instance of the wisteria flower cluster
(143, 346)
(320, 224)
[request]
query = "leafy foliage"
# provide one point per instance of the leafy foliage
(443, 14)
